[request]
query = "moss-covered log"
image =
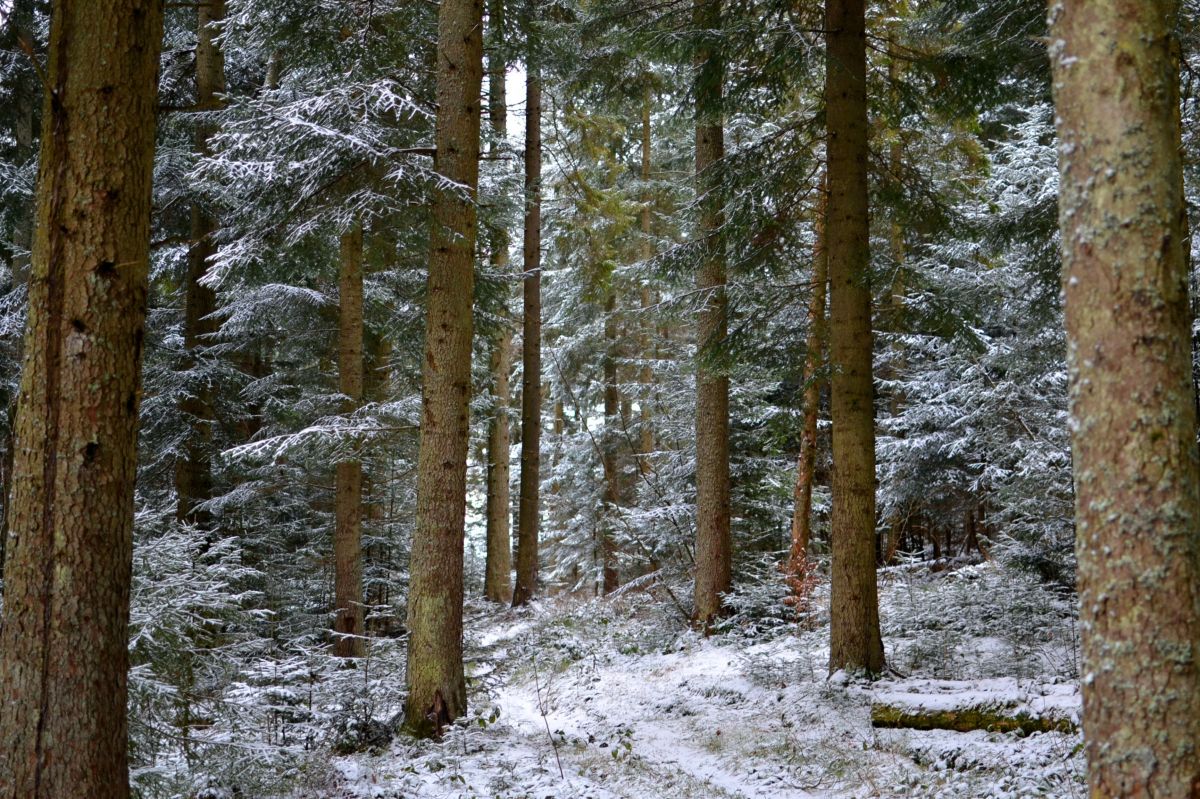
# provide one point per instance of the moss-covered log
(990, 718)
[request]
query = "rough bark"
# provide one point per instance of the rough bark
(1137, 479)
(63, 637)
(193, 472)
(347, 536)
(531, 350)
(436, 684)
(497, 581)
(814, 360)
(25, 96)
(713, 544)
(855, 642)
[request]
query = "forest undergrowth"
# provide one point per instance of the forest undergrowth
(619, 697)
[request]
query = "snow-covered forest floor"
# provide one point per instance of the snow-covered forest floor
(617, 698)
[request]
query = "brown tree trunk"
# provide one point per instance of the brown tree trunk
(531, 348)
(713, 544)
(1137, 479)
(25, 98)
(436, 684)
(614, 497)
(193, 472)
(347, 537)
(646, 374)
(497, 581)
(855, 642)
(813, 362)
(64, 637)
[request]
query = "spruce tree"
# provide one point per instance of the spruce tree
(1137, 475)
(63, 642)
(437, 692)
(855, 642)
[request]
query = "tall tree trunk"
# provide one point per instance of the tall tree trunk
(714, 548)
(25, 96)
(436, 684)
(497, 581)
(813, 363)
(855, 641)
(347, 537)
(531, 348)
(646, 374)
(896, 11)
(1137, 478)
(193, 472)
(64, 636)
(614, 497)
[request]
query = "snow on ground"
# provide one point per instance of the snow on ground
(601, 700)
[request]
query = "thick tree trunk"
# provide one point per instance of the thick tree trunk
(436, 684)
(347, 536)
(714, 548)
(497, 581)
(855, 641)
(1137, 479)
(63, 640)
(814, 360)
(193, 472)
(531, 349)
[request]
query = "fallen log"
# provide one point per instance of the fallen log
(989, 718)
(1003, 705)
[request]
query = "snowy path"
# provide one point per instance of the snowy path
(675, 725)
(643, 715)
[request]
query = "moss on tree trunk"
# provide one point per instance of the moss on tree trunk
(1137, 479)
(436, 684)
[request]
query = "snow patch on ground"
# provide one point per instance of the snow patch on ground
(630, 708)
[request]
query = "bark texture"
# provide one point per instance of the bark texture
(63, 640)
(193, 472)
(436, 684)
(1137, 481)
(25, 95)
(855, 642)
(714, 549)
(497, 581)
(347, 536)
(814, 361)
(531, 350)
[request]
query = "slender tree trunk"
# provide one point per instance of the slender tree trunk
(436, 683)
(1137, 479)
(347, 537)
(897, 251)
(531, 348)
(714, 548)
(64, 637)
(646, 374)
(497, 581)
(193, 472)
(611, 455)
(855, 641)
(813, 363)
